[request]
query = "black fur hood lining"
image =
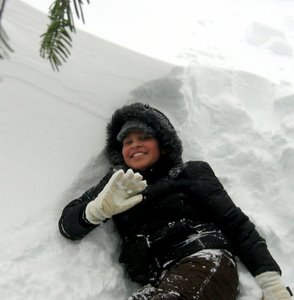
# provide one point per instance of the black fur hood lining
(165, 133)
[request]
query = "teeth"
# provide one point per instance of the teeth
(138, 154)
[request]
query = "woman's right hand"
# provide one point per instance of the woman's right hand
(121, 193)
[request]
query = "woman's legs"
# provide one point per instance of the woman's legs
(206, 275)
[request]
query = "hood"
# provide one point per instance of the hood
(164, 132)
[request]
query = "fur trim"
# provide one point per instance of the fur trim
(165, 133)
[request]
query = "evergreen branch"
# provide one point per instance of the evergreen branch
(4, 46)
(2, 9)
(56, 41)
(78, 8)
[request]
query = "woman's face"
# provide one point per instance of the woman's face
(140, 151)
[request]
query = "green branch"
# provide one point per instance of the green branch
(4, 46)
(56, 41)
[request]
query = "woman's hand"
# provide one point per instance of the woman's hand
(121, 193)
(272, 287)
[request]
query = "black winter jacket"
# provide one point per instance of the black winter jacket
(184, 209)
(170, 224)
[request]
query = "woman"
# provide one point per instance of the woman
(180, 230)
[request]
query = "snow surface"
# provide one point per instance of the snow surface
(232, 104)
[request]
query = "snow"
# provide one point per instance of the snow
(228, 89)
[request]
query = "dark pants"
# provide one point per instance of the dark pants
(206, 275)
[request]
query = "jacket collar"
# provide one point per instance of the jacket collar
(156, 172)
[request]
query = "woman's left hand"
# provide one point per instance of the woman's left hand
(272, 287)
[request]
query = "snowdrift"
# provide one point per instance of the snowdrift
(53, 129)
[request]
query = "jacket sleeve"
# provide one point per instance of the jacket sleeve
(72, 223)
(237, 227)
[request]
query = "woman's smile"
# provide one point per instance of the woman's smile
(140, 151)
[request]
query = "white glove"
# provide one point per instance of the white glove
(272, 286)
(120, 194)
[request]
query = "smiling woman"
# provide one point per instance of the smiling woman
(180, 229)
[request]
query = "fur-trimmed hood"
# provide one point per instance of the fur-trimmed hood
(165, 133)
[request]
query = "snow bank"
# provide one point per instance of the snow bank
(53, 129)
(47, 117)
(270, 38)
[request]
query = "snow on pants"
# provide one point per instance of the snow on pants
(205, 275)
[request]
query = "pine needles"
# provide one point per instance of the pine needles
(4, 46)
(57, 40)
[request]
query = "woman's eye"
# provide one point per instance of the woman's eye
(127, 142)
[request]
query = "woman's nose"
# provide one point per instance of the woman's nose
(137, 143)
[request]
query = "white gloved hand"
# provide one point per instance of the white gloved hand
(272, 286)
(120, 194)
